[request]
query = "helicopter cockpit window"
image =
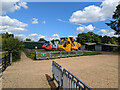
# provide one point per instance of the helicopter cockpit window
(46, 44)
(61, 42)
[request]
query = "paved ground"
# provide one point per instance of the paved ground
(100, 71)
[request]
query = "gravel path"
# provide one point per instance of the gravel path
(99, 71)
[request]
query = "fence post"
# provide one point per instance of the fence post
(10, 58)
(60, 54)
(35, 55)
(50, 55)
(5, 61)
(62, 78)
(76, 53)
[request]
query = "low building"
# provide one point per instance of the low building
(90, 46)
(33, 45)
(82, 47)
(98, 47)
(109, 47)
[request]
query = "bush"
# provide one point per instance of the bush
(13, 45)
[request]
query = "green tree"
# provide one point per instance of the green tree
(12, 44)
(91, 37)
(42, 39)
(97, 39)
(106, 39)
(28, 39)
(84, 37)
(88, 37)
(7, 35)
(115, 24)
(114, 40)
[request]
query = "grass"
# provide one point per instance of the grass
(86, 53)
(30, 53)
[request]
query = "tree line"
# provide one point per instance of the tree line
(91, 37)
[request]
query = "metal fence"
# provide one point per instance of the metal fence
(57, 54)
(67, 80)
(57, 71)
(5, 62)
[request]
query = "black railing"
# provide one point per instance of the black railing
(4, 63)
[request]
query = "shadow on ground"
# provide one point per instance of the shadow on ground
(51, 82)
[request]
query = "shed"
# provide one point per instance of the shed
(108, 47)
(90, 46)
(98, 47)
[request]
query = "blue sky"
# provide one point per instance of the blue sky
(58, 19)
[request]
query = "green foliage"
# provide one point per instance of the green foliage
(9, 43)
(109, 40)
(115, 49)
(7, 35)
(28, 39)
(30, 53)
(88, 37)
(115, 25)
(91, 37)
(90, 53)
(42, 39)
(106, 39)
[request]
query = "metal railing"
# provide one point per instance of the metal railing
(67, 80)
(5, 62)
(71, 81)
(57, 54)
(57, 73)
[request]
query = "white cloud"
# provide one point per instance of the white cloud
(23, 4)
(74, 37)
(61, 20)
(11, 25)
(107, 32)
(55, 35)
(83, 28)
(11, 6)
(34, 34)
(21, 36)
(94, 13)
(31, 36)
(34, 21)
(52, 38)
(41, 36)
(8, 24)
(43, 22)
